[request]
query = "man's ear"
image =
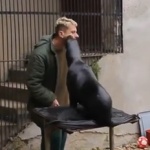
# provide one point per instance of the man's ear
(61, 34)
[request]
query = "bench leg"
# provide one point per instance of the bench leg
(111, 138)
(47, 133)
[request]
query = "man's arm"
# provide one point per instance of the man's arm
(35, 76)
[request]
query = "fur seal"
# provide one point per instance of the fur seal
(84, 88)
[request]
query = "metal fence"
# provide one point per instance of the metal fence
(23, 22)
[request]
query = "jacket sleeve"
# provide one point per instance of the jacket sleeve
(35, 77)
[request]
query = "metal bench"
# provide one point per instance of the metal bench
(74, 120)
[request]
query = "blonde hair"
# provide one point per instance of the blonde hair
(64, 22)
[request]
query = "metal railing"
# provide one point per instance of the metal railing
(23, 22)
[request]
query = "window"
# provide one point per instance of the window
(100, 24)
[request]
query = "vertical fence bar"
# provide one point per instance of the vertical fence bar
(30, 27)
(11, 24)
(113, 47)
(92, 16)
(55, 3)
(82, 21)
(45, 16)
(113, 16)
(34, 16)
(55, 13)
(112, 10)
(95, 19)
(38, 24)
(110, 14)
(106, 25)
(53, 17)
(21, 62)
(27, 27)
(115, 28)
(121, 24)
(9, 103)
(99, 25)
(21, 54)
(49, 4)
(42, 17)
(6, 63)
(2, 67)
(106, 15)
(26, 50)
(16, 48)
(18, 62)
(119, 9)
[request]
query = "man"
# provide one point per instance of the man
(46, 74)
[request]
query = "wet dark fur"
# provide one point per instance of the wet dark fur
(84, 88)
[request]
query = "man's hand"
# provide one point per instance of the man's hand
(55, 103)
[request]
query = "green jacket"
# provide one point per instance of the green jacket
(42, 74)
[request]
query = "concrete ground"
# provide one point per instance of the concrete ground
(30, 138)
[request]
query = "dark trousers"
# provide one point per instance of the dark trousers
(57, 139)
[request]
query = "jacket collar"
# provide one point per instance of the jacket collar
(51, 44)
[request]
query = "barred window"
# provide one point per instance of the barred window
(100, 24)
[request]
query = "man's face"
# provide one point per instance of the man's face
(70, 31)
